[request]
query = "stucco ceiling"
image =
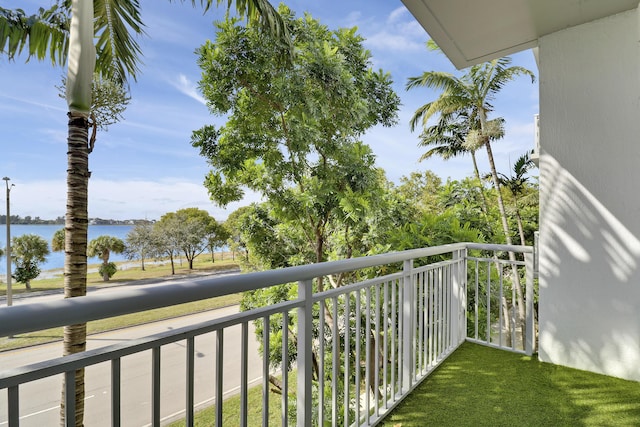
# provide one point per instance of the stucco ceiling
(473, 31)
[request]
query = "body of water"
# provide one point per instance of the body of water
(56, 259)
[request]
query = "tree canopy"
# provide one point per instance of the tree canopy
(27, 252)
(102, 247)
(186, 230)
(293, 130)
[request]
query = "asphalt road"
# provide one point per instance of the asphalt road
(39, 401)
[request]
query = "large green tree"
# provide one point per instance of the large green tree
(473, 93)
(92, 36)
(216, 237)
(166, 238)
(293, 129)
(27, 252)
(234, 225)
(293, 135)
(193, 232)
(139, 242)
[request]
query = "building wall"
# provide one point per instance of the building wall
(589, 302)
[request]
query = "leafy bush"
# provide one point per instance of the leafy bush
(25, 272)
(108, 269)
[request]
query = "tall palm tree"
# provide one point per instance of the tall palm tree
(66, 33)
(516, 185)
(474, 92)
(448, 139)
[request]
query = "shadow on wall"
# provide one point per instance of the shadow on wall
(589, 279)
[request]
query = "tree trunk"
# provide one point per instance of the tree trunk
(105, 271)
(506, 323)
(75, 265)
(507, 236)
(485, 205)
(520, 225)
(173, 267)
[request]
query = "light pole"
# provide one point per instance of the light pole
(8, 254)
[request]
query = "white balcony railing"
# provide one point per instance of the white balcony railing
(356, 349)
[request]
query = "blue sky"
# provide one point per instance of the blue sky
(145, 166)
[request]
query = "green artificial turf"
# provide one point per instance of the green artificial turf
(481, 386)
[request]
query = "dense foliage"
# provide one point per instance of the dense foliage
(293, 135)
(293, 132)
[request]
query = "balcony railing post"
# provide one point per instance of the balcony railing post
(408, 325)
(530, 333)
(304, 360)
(457, 309)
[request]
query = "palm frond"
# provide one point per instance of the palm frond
(256, 12)
(495, 129)
(523, 164)
(116, 24)
(446, 136)
(434, 80)
(419, 116)
(44, 34)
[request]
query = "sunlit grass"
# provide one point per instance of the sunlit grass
(231, 409)
(152, 271)
(128, 271)
(480, 386)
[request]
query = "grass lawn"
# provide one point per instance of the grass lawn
(481, 386)
(130, 275)
(133, 271)
(231, 409)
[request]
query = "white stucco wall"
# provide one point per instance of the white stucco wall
(589, 305)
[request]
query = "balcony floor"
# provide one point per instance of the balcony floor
(482, 386)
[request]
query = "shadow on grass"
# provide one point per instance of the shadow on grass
(481, 386)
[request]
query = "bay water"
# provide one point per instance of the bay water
(55, 260)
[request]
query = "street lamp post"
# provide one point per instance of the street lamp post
(8, 254)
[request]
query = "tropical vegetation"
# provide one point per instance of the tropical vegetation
(91, 37)
(298, 99)
(465, 102)
(27, 252)
(103, 247)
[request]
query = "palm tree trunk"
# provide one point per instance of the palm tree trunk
(105, 265)
(507, 236)
(485, 206)
(520, 227)
(519, 220)
(75, 265)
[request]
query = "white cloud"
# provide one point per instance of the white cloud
(126, 199)
(387, 41)
(354, 17)
(187, 87)
(397, 14)
(400, 33)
